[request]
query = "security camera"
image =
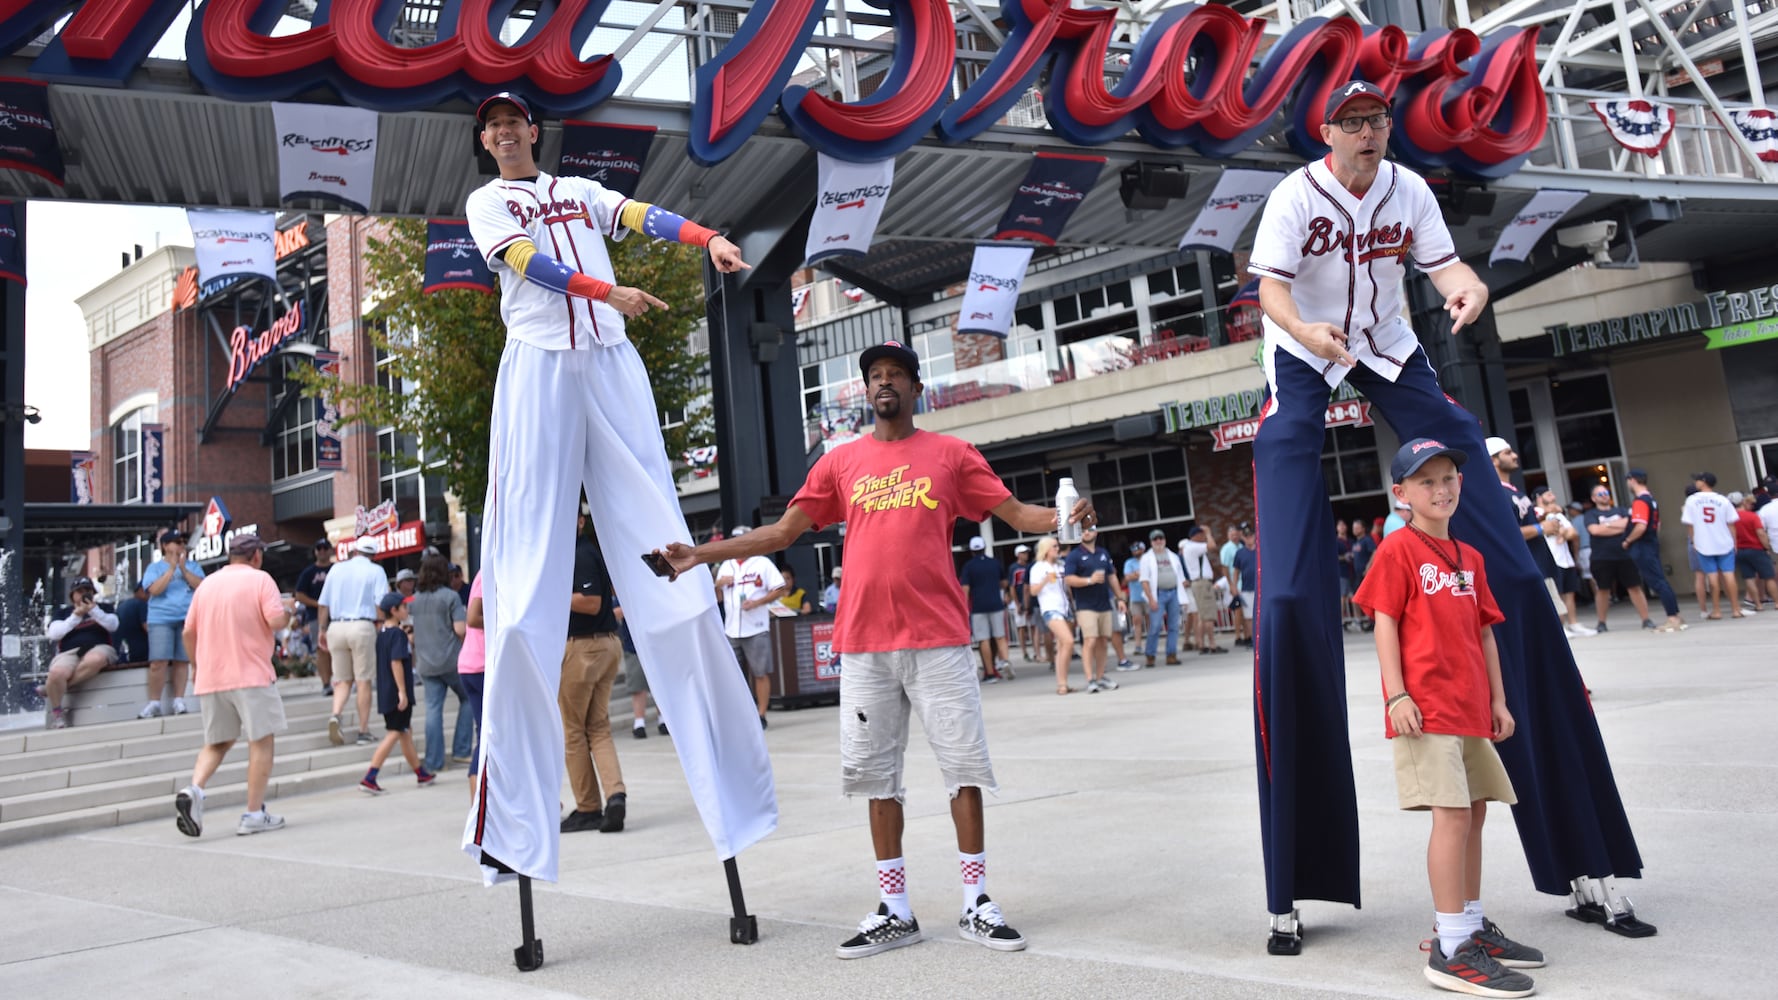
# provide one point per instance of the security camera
(1594, 237)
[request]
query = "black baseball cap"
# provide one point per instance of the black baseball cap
(895, 351)
(1709, 478)
(1639, 475)
(1418, 452)
(504, 97)
(1356, 90)
(323, 544)
(174, 535)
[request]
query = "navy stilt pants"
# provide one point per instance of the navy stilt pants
(1570, 818)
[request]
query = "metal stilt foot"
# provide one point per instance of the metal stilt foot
(528, 955)
(742, 927)
(1287, 934)
(1597, 901)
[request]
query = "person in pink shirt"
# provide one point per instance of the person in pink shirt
(229, 634)
(472, 666)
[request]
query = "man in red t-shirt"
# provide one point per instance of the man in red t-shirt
(903, 629)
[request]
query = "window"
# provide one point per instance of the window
(1141, 488)
(1349, 463)
(126, 451)
(129, 561)
(293, 450)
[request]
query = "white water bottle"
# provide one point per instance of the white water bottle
(1066, 498)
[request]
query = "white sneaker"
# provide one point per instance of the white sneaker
(179, 706)
(1107, 684)
(152, 710)
(259, 822)
(189, 804)
(1575, 631)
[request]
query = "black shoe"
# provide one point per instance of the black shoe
(878, 933)
(762, 722)
(1601, 628)
(614, 814)
(640, 731)
(983, 924)
(663, 728)
(577, 821)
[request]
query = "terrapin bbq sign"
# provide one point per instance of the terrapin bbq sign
(1468, 103)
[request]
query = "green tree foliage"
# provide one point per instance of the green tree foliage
(444, 350)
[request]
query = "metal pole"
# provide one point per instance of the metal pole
(742, 927)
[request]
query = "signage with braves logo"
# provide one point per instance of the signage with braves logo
(327, 152)
(1542, 212)
(27, 135)
(613, 155)
(827, 661)
(1225, 215)
(452, 260)
(848, 207)
(80, 487)
(375, 520)
(154, 444)
(1054, 186)
(231, 244)
(989, 299)
(401, 539)
(216, 518)
(1639, 126)
(247, 349)
(1351, 413)
(329, 446)
(12, 257)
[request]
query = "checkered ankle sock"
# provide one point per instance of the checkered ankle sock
(975, 876)
(892, 885)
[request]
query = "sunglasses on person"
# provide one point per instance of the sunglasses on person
(1378, 122)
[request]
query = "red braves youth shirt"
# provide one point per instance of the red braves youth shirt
(1439, 612)
(900, 501)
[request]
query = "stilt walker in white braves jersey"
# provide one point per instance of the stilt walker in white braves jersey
(1331, 254)
(573, 408)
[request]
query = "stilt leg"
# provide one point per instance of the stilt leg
(1597, 901)
(742, 927)
(1287, 934)
(529, 955)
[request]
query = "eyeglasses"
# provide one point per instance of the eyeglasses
(1378, 122)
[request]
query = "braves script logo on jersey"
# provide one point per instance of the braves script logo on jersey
(1384, 241)
(873, 493)
(1460, 583)
(551, 212)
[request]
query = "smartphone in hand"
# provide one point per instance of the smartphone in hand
(658, 563)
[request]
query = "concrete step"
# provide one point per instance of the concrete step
(74, 773)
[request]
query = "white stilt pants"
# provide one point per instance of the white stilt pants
(564, 419)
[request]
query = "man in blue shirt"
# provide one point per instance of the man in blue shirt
(1092, 575)
(984, 586)
(169, 582)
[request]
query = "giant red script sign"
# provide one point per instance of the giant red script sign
(1468, 103)
(247, 349)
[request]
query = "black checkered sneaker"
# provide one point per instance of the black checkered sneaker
(1472, 971)
(983, 924)
(878, 933)
(1505, 950)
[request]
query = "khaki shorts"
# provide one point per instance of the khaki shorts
(1094, 624)
(71, 658)
(1204, 596)
(255, 712)
(1449, 771)
(877, 690)
(354, 648)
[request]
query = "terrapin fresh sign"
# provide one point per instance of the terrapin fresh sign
(1727, 319)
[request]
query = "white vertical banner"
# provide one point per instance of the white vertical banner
(1236, 200)
(326, 151)
(994, 280)
(230, 243)
(1543, 211)
(848, 208)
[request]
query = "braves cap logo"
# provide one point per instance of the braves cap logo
(1355, 87)
(1420, 446)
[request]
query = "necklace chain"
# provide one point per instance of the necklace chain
(1457, 565)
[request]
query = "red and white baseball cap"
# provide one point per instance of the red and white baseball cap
(1346, 93)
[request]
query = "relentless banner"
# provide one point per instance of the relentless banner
(1542, 212)
(848, 208)
(232, 244)
(613, 155)
(993, 292)
(452, 260)
(1053, 188)
(325, 151)
(1225, 216)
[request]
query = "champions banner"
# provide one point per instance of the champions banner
(326, 151)
(1224, 217)
(28, 141)
(1543, 211)
(1053, 188)
(1639, 126)
(613, 155)
(452, 261)
(232, 244)
(154, 444)
(329, 449)
(993, 292)
(12, 252)
(1760, 128)
(848, 208)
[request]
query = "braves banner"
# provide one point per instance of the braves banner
(329, 449)
(232, 244)
(28, 139)
(452, 260)
(1639, 126)
(848, 208)
(613, 155)
(1224, 217)
(799, 300)
(1053, 188)
(154, 443)
(12, 252)
(81, 465)
(1760, 128)
(326, 151)
(994, 279)
(1542, 212)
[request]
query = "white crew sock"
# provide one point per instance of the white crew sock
(892, 886)
(1452, 930)
(975, 876)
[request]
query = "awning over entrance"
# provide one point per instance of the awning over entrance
(67, 527)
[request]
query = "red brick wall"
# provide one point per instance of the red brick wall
(1222, 485)
(347, 277)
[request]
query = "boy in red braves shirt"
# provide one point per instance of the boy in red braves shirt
(1445, 708)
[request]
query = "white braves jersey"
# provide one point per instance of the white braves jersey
(569, 219)
(1344, 258)
(754, 577)
(1712, 518)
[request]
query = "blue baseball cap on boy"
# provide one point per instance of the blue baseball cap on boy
(1418, 452)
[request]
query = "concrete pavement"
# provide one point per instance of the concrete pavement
(1124, 844)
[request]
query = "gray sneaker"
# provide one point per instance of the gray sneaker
(1505, 950)
(1473, 971)
(1107, 684)
(189, 804)
(259, 822)
(55, 718)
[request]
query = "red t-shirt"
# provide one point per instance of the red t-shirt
(900, 501)
(1747, 526)
(1440, 618)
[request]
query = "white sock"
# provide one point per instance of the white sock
(892, 886)
(1472, 908)
(641, 724)
(975, 876)
(1452, 930)
(200, 790)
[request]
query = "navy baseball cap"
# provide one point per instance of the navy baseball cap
(504, 97)
(392, 600)
(1417, 453)
(895, 351)
(1639, 475)
(1356, 90)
